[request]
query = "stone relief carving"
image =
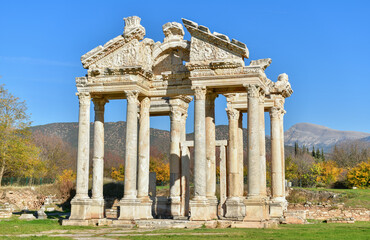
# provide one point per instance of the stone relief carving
(263, 63)
(133, 29)
(203, 51)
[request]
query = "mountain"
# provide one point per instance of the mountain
(310, 135)
(115, 133)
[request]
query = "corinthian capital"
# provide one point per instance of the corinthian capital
(84, 98)
(132, 96)
(199, 92)
(253, 90)
(145, 103)
(275, 112)
(99, 104)
(175, 114)
(232, 113)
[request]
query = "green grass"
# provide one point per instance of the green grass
(350, 197)
(359, 230)
(15, 227)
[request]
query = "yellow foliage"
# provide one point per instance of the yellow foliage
(359, 176)
(65, 182)
(118, 174)
(67, 175)
(161, 169)
(326, 172)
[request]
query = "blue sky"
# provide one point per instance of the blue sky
(322, 45)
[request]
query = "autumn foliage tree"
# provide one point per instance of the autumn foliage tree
(18, 155)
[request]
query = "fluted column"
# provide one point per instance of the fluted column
(80, 204)
(276, 161)
(211, 153)
(175, 170)
(144, 150)
(262, 144)
(240, 155)
(131, 145)
(254, 167)
(232, 160)
(82, 182)
(281, 117)
(211, 145)
(200, 173)
(199, 204)
(98, 159)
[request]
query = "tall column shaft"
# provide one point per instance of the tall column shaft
(211, 145)
(254, 167)
(233, 161)
(98, 159)
(262, 145)
(240, 155)
(200, 178)
(131, 145)
(82, 182)
(175, 174)
(276, 161)
(282, 148)
(144, 149)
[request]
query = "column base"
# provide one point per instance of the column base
(256, 209)
(175, 207)
(97, 208)
(144, 210)
(129, 209)
(277, 207)
(213, 207)
(199, 209)
(80, 209)
(235, 208)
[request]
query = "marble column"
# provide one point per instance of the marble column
(281, 117)
(254, 167)
(276, 161)
(129, 202)
(262, 147)
(199, 205)
(185, 169)
(240, 156)
(80, 204)
(211, 154)
(223, 181)
(145, 210)
(233, 201)
(175, 164)
(97, 206)
(255, 204)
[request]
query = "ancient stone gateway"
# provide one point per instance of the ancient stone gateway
(160, 79)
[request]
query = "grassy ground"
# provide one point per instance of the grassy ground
(350, 197)
(50, 229)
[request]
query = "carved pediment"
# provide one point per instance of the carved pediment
(207, 47)
(124, 50)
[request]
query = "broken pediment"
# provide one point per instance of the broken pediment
(207, 47)
(125, 50)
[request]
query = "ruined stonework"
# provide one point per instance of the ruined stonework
(161, 79)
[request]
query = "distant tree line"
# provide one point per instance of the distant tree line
(347, 166)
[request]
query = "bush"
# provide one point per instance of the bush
(359, 176)
(66, 183)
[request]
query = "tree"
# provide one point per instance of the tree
(55, 154)
(17, 153)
